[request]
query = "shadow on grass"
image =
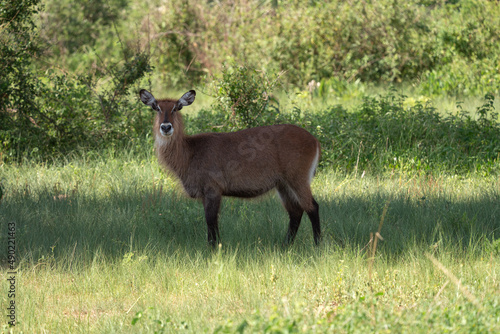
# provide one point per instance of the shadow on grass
(75, 226)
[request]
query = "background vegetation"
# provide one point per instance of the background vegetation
(73, 71)
(401, 95)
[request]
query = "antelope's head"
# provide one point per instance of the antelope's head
(165, 122)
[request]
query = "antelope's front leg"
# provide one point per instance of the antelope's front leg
(211, 204)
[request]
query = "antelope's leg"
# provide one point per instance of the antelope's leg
(211, 205)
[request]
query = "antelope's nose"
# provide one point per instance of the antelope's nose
(166, 129)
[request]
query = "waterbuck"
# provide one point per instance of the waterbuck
(246, 163)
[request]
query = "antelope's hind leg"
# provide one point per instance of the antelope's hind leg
(314, 217)
(296, 201)
(311, 207)
(295, 213)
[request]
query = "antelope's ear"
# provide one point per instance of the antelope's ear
(148, 99)
(186, 99)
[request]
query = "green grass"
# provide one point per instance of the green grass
(110, 244)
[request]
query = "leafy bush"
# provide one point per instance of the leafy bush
(384, 134)
(72, 112)
(18, 82)
(47, 113)
(244, 95)
(379, 41)
(467, 49)
(382, 40)
(462, 78)
(83, 22)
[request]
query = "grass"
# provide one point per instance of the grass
(110, 244)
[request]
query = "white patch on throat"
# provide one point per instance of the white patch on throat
(161, 140)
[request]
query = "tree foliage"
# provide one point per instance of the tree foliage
(45, 111)
(449, 46)
(18, 82)
(385, 133)
(70, 73)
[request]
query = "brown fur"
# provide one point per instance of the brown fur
(246, 163)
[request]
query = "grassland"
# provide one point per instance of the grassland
(110, 244)
(408, 188)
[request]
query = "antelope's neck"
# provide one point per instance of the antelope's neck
(173, 152)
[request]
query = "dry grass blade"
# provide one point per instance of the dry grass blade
(455, 280)
(374, 239)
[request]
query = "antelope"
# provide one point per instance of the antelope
(245, 163)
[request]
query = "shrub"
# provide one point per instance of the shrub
(244, 96)
(69, 26)
(18, 82)
(47, 113)
(384, 134)
(452, 46)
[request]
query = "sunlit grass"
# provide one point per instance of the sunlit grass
(106, 242)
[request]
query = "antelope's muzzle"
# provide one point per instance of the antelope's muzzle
(166, 129)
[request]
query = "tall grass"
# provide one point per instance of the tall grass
(110, 244)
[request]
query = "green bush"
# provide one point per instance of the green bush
(451, 47)
(244, 95)
(46, 113)
(72, 112)
(380, 41)
(462, 78)
(467, 49)
(384, 134)
(18, 82)
(68, 26)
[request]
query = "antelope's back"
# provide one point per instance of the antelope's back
(257, 153)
